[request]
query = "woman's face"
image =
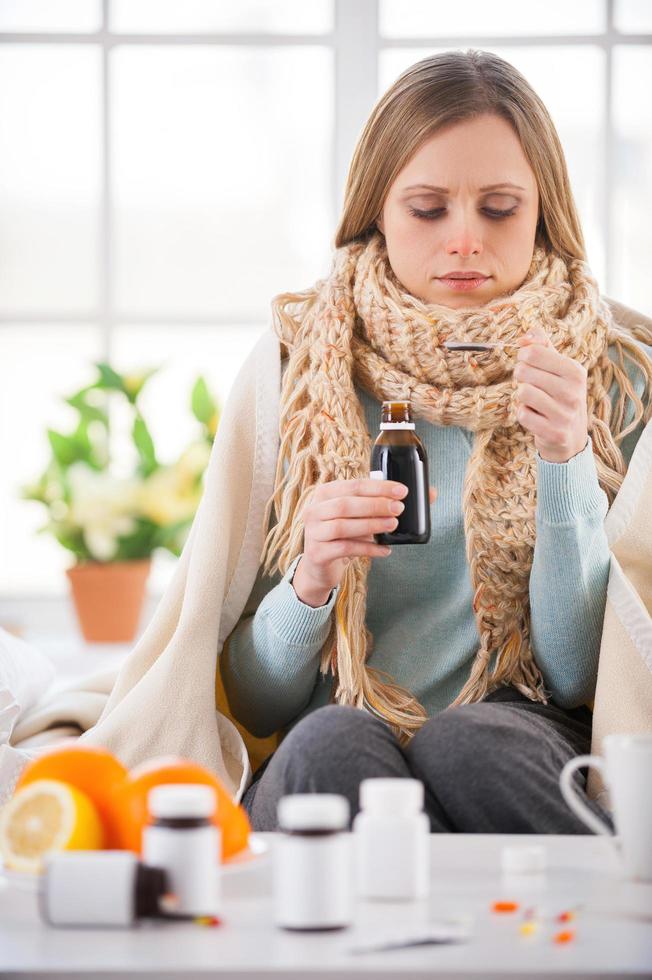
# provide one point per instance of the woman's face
(440, 218)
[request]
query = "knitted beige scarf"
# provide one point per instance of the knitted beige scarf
(360, 327)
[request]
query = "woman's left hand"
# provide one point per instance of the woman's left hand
(552, 398)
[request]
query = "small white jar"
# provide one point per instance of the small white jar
(186, 844)
(313, 882)
(99, 888)
(392, 840)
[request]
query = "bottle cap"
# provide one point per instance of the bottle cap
(398, 797)
(313, 811)
(523, 859)
(151, 885)
(396, 414)
(181, 800)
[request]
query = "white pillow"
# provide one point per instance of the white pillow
(25, 676)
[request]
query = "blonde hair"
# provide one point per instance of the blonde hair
(320, 437)
(440, 91)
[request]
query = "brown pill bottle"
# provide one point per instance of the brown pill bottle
(398, 454)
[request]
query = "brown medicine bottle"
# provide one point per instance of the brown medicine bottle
(398, 454)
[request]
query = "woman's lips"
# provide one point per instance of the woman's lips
(464, 285)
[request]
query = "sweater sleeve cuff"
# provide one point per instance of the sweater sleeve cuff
(569, 491)
(293, 620)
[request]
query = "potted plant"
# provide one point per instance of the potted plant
(113, 521)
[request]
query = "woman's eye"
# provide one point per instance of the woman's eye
(494, 213)
(437, 213)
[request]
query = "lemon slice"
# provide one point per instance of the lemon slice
(47, 815)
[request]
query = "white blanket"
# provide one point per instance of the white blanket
(25, 677)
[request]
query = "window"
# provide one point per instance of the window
(167, 167)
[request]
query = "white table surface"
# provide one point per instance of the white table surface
(613, 926)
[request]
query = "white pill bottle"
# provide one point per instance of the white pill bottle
(392, 840)
(312, 866)
(183, 840)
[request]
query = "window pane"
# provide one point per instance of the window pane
(633, 16)
(171, 16)
(423, 18)
(38, 365)
(223, 170)
(574, 97)
(632, 187)
(49, 178)
(183, 354)
(50, 15)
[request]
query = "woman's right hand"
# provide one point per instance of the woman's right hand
(339, 524)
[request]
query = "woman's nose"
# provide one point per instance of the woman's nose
(464, 240)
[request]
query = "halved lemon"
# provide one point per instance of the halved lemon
(45, 816)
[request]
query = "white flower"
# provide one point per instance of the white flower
(171, 493)
(194, 460)
(103, 507)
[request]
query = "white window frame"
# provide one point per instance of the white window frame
(356, 45)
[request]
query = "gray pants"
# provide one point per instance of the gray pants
(487, 768)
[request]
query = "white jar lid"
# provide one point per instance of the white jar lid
(313, 811)
(181, 800)
(397, 797)
(523, 859)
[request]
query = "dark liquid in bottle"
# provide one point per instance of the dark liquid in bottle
(404, 459)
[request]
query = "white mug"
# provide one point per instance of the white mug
(626, 769)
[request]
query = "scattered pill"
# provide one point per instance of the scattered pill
(208, 920)
(528, 928)
(504, 907)
(566, 936)
(565, 917)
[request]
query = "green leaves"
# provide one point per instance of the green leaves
(72, 539)
(129, 385)
(110, 380)
(173, 536)
(78, 446)
(134, 383)
(68, 449)
(149, 536)
(203, 405)
(145, 445)
(87, 408)
(139, 544)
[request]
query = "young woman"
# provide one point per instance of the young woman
(470, 662)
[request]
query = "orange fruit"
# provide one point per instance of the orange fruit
(92, 770)
(230, 817)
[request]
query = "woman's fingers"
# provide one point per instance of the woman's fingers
(352, 528)
(368, 508)
(362, 487)
(352, 506)
(345, 548)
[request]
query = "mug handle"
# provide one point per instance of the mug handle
(578, 807)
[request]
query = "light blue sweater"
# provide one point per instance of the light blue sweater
(419, 598)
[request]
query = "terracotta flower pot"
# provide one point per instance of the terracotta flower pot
(108, 598)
